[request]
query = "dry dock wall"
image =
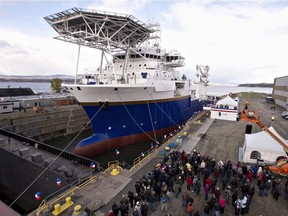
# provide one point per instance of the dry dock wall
(52, 122)
(17, 173)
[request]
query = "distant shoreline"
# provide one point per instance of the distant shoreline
(260, 85)
(35, 80)
(70, 80)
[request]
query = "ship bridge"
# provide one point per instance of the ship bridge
(109, 32)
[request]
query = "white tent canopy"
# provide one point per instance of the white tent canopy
(227, 101)
(261, 145)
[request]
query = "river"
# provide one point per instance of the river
(215, 90)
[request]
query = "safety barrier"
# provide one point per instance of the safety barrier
(46, 205)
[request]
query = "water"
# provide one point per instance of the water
(127, 153)
(36, 87)
(211, 90)
(225, 90)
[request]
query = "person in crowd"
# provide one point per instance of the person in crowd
(234, 196)
(243, 204)
(217, 209)
(164, 202)
(259, 176)
(138, 208)
(276, 190)
(111, 213)
(222, 203)
(248, 204)
(206, 191)
(189, 182)
(207, 209)
(144, 209)
(267, 187)
(237, 205)
(190, 209)
(286, 190)
(115, 209)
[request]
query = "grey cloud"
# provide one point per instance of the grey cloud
(4, 44)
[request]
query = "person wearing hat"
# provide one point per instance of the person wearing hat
(138, 207)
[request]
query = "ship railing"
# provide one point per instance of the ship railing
(64, 192)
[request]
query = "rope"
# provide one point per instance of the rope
(162, 109)
(57, 156)
(134, 119)
(151, 121)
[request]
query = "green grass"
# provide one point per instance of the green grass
(253, 95)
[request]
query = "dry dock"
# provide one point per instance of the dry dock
(214, 138)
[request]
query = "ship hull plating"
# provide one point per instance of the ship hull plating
(117, 125)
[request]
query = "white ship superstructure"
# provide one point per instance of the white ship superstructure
(136, 84)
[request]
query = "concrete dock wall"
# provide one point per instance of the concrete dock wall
(52, 122)
(17, 173)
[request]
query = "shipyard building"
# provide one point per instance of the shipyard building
(280, 91)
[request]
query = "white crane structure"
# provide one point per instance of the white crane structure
(202, 81)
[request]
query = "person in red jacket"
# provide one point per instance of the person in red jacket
(189, 182)
(111, 213)
(250, 175)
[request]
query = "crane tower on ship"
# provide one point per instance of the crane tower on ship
(202, 73)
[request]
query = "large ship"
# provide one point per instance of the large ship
(137, 95)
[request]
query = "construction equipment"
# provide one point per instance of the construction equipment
(281, 166)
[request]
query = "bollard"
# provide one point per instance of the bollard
(57, 208)
(68, 200)
(114, 172)
(77, 209)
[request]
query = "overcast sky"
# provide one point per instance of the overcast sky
(241, 41)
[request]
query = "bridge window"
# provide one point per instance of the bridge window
(255, 155)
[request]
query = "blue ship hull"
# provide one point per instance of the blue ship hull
(119, 125)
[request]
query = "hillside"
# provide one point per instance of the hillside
(261, 85)
(38, 79)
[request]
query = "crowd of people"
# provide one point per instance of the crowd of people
(180, 174)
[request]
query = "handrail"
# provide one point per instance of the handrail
(45, 205)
